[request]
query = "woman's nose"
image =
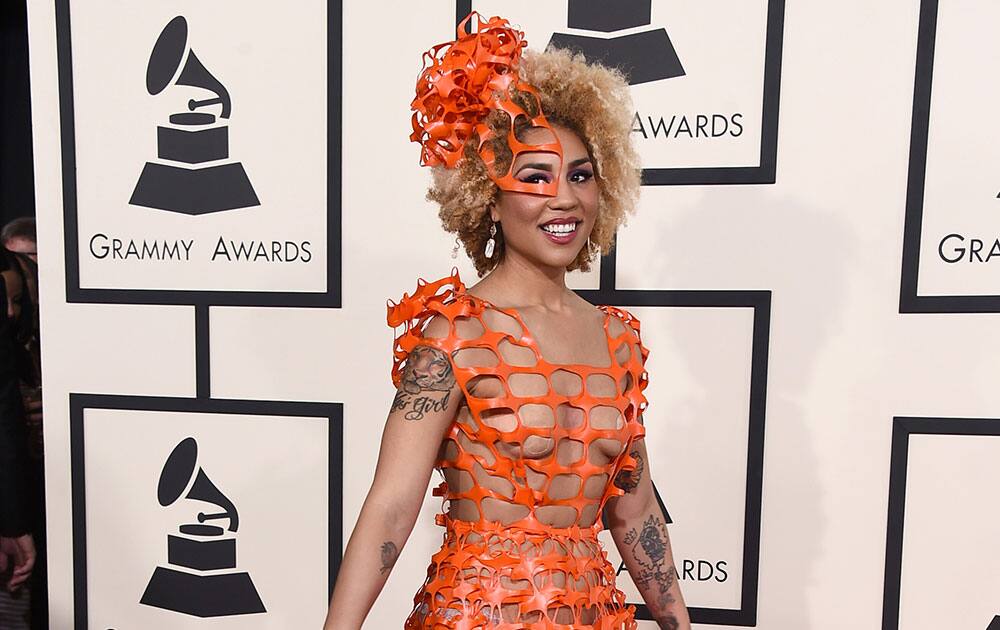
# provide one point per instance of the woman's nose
(565, 197)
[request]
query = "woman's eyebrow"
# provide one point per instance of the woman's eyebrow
(578, 162)
(538, 165)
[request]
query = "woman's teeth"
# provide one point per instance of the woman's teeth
(560, 228)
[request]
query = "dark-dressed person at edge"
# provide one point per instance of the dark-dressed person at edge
(17, 505)
(525, 397)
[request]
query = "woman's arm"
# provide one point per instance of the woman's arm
(422, 410)
(638, 527)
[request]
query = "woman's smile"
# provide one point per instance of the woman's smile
(561, 231)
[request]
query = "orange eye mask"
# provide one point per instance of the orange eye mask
(460, 84)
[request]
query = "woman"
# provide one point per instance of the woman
(526, 398)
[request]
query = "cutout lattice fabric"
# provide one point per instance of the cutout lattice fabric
(533, 444)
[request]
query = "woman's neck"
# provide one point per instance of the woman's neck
(519, 283)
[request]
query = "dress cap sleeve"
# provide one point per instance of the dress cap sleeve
(634, 328)
(413, 312)
(632, 322)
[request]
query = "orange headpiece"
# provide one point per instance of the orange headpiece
(461, 82)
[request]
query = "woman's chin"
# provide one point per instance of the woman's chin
(559, 259)
(549, 256)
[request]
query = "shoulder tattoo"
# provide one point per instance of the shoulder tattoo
(426, 383)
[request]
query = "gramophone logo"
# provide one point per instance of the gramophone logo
(195, 176)
(644, 56)
(200, 578)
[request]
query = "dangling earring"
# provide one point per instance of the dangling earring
(492, 243)
(454, 250)
(590, 248)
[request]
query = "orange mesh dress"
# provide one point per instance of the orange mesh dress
(533, 443)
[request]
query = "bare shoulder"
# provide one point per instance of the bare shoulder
(616, 316)
(584, 309)
(622, 319)
(616, 323)
(463, 328)
(437, 327)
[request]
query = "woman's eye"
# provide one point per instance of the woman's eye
(580, 176)
(536, 178)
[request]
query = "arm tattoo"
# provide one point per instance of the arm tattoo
(628, 480)
(649, 549)
(668, 622)
(630, 536)
(389, 555)
(427, 369)
(426, 374)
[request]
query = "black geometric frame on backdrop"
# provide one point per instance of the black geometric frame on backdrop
(202, 302)
(902, 428)
(760, 302)
(764, 171)
(332, 413)
(331, 297)
(909, 300)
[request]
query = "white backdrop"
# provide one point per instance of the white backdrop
(819, 253)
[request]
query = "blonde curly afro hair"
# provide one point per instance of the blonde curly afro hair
(591, 100)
